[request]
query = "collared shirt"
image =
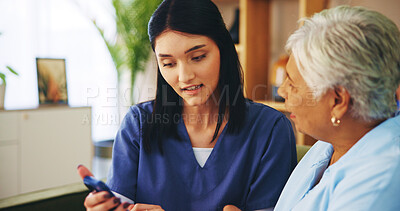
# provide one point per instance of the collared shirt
(367, 177)
(247, 169)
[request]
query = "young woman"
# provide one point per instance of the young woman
(200, 145)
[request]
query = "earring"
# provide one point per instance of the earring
(335, 122)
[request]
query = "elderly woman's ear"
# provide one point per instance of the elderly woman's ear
(340, 102)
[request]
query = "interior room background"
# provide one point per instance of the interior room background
(64, 29)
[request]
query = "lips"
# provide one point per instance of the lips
(192, 87)
(292, 116)
(192, 90)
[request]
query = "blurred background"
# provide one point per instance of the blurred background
(108, 67)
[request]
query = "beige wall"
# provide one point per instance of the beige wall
(390, 8)
(285, 15)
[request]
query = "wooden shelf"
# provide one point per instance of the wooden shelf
(254, 38)
(255, 48)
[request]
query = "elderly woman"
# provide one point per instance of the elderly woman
(342, 75)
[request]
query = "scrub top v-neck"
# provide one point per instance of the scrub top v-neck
(202, 155)
(182, 132)
(247, 169)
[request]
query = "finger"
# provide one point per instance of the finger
(144, 207)
(131, 207)
(109, 204)
(83, 171)
(123, 207)
(231, 208)
(95, 198)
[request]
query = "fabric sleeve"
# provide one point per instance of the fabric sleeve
(122, 176)
(123, 198)
(276, 165)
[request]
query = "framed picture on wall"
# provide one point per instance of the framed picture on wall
(52, 81)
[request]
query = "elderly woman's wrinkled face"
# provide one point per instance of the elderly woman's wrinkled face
(190, 64)
(309, 115)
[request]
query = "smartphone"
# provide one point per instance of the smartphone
(94, 184)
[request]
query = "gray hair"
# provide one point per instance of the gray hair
(352, 47)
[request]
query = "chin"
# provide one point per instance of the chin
(195, 101)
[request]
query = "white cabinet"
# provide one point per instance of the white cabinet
(9, 170)
(41, 148)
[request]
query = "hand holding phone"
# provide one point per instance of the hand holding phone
(100, 201)
(92, 183)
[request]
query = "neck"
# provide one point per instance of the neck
(346, 135)
(203, 116)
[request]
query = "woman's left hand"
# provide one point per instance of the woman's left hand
(231, 208)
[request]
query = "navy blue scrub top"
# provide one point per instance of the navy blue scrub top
(248, 169)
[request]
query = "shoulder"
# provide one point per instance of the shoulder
(373, 180)
(319, 153)
(137, 115)
(140, 111)
(142, 108)
(260, 111)
(267, 124)
(131, 130)
(379, 147)
(374, 163)
(320, 148)
(380, 163)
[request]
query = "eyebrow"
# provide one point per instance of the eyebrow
(195, 48)
(187, 51)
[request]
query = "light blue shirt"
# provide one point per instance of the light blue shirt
(367, 177)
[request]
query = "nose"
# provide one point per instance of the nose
(185, 73)
(282, 90)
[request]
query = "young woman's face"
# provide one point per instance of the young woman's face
(190, 64)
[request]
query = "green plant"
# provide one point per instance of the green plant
(130, 50)
(3, 76)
